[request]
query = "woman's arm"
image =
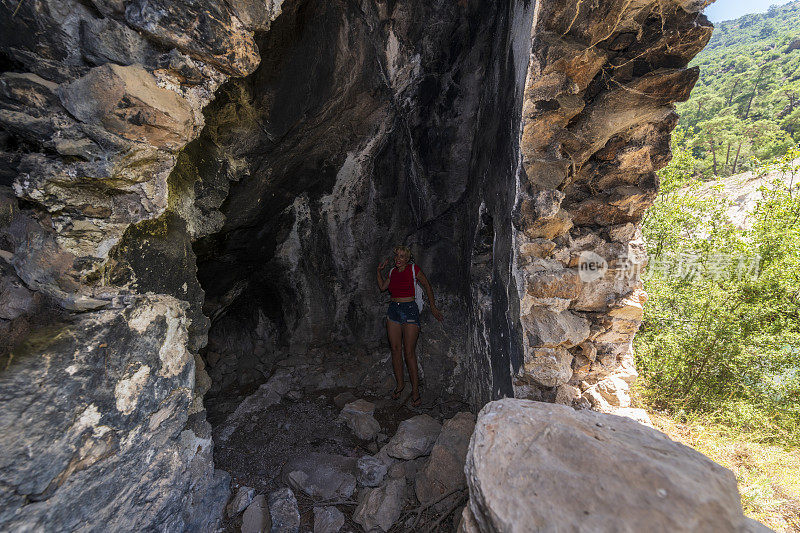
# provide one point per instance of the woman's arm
(382, 284)
(429, 291)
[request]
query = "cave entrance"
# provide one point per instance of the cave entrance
(361, 129)
(344, 142)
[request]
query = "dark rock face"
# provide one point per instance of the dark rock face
(201, 185)
(387, 137)
(102, 421)
(115, 434)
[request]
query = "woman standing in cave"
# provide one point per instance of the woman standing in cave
(402, 317)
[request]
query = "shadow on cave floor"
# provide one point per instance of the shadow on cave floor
(295, 415)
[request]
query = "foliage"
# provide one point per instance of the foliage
(746, 103)
(721, 331)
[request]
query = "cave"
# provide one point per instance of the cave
(195, 197)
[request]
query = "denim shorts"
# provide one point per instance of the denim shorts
(404, 313)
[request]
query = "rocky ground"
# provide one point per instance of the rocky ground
(321, 447)
(310, 450)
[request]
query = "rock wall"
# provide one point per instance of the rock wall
(102, 420)
(193, 177)
(101, 425)
(597, 119)
(395, 134)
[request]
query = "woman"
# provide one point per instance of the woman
(402, 317)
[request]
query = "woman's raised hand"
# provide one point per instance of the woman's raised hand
(383, 264)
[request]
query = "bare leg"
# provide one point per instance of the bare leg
(396, 343)
(410, 335)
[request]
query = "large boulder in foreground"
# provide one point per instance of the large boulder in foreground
(535, 466)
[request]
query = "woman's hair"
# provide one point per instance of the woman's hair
(403, 248)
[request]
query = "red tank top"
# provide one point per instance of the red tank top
(401, 284)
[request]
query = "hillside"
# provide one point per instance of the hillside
(746, 103)
(743, 191)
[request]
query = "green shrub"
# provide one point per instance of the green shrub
(721, 331)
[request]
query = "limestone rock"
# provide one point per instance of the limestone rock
(536, 248)
(243, 498)
(205, 30)
(321, 476)
(122, 430)
(328, 520)
(397, 471)
(549, 228)
(370, 471)
(564, 283)
(140, 157)
(528, 463)
(444, 471)
(640, 415)
(467, 523)
(380, 507)
(551, 367)
(343, 398)
(413, 467)
(615, 145)
(414, 437)
(128, 102)
(567, 394)
(270, 393)
(283, 512)
(358, 417)
(385, 458)
(609, 394)
(256, 517)
(549, 329)
(256, 14)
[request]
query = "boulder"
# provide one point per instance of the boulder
(535, 466)
(256, 517)
(283, 511)
(243, 498)
(634, 413)
(380, 507)
(343, 398)
(415, 437)
(322, 476)
(444, 471)
(358, 417)
(327, 520)
(370, 471)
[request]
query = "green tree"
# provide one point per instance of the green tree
(746, 99)
(721, 331)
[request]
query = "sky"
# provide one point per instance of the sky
(733, 9)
